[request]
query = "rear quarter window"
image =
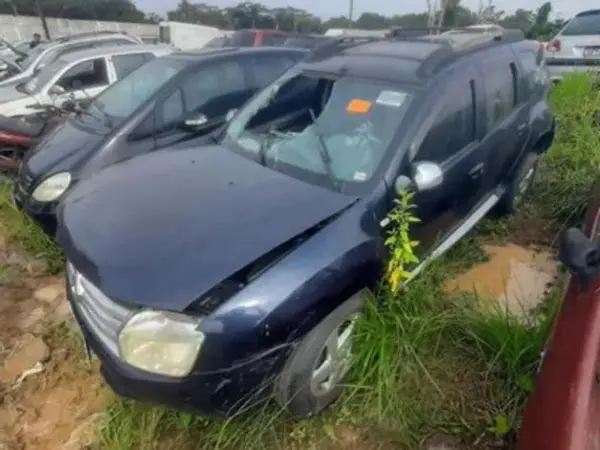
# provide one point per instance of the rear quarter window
(529, 65)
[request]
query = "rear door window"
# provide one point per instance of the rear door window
(454, 128)
(85, 75)
(500, 80)
(125, 64)
(583, 24)
(205, 91)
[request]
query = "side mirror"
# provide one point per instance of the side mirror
(195, 122)
(427, 175)
(580, 255)
(56, 90)
(230, 114)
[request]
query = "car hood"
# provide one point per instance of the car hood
(65, 147)
(9, 92)
(162, 229)
(15, 79)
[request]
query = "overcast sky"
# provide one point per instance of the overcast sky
(328, 8)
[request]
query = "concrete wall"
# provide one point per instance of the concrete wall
(14, 28)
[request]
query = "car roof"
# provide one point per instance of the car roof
(404, 59)
(589, 12)
(209, 52)
(91, 35)
(115, 50)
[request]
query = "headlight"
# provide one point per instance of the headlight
(161, 342)
(52, 187)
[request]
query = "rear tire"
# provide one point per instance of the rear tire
(519, 186)
(312, 376)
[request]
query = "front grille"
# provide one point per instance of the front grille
(102, 316)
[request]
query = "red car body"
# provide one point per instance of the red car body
(563, 412)
(257, 38)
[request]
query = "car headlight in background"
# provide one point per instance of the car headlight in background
(52, 187)
(161, 342)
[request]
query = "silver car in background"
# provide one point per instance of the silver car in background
(576, 48)
(76, 76)
(46, 53)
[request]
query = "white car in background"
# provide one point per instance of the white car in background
(576, 48)
(45, 53)
(76, 76)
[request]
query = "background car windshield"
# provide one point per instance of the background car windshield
(23, 46)
(33, 55)
(355, 120)
(125, 96)
(584, 24)
(44, 76)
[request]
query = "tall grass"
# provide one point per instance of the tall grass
(20, 230)
(570, 169)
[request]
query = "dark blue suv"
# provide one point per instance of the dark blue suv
(210, 275)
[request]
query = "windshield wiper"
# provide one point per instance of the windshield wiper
(262, 150)
(324, 152)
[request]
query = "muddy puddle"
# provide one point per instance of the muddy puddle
(514, 277)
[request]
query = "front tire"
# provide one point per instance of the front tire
(311, 379)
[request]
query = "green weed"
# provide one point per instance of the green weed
(18, 228)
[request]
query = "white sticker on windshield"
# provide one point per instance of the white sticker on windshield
(359, 176)
(391, 98)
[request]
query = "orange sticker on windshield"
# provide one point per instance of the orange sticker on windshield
(358, 106)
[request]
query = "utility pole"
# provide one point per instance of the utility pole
(40, 13)
(350, 12)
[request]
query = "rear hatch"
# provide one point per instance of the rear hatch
(578, 43)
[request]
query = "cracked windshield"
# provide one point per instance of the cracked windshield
(269, 225)
(320, 127)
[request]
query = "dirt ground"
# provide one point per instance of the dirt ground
(51, 399)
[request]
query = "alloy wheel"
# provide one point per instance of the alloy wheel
(524, 185)
(334, 361)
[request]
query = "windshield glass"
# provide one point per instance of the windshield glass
(33, 55)
(43, 76)
(23, 46)
(126, 95)
(331, 132)
(584, 24)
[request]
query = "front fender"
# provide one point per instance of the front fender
(292, 297)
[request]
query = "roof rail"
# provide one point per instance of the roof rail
(71, 37)
(465, 39)
(457, 39)
(338, 45)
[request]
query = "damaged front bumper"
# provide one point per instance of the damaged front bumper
(218, 393)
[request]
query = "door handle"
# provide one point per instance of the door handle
(477, 170)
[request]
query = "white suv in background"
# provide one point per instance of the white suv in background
(76, 76)
(46, 53)
(576, 48)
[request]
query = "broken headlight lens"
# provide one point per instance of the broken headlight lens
(161, 342)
